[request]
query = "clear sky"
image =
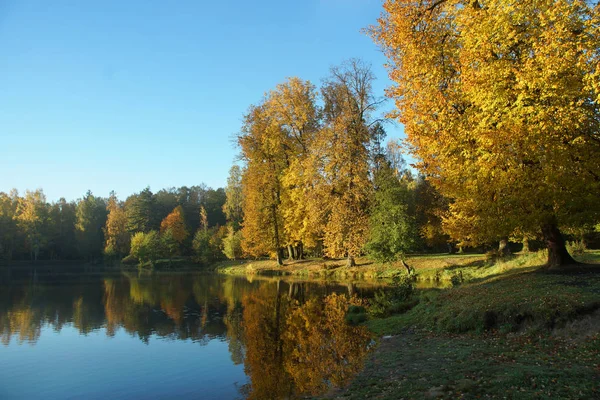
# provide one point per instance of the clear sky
(119, 95)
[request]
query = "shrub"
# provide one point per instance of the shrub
(207, 245)
(356, 315)
(394, 298)
(130, 260)
(456, 278)
(576, 248)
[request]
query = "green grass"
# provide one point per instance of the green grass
(527, 300)
(416, 365)
(509, 330)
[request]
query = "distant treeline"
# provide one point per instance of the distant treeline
(94, 228)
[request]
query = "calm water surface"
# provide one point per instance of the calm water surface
(70, 334)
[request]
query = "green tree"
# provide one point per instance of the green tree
(208, 244)
(232, 244)
(234, 196)
(169, 243)
(62, 238)
(393, 230)
(214, 200)
(140, 209)
(146, 246)
(91, 216)
(8, 224)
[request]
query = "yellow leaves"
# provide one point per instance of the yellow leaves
(517, 81)
(294, 348)
(116, 236)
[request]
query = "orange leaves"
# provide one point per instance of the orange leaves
(175, 223)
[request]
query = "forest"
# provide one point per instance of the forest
(97, 229)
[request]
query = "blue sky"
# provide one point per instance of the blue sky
(119, 95)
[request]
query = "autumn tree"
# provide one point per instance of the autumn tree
(31, 216)
(344, 141)
(117, 237)
(293, 110)
(275, 143)
(175, 223)
(261, 148)
(500, 103)
(208, 244)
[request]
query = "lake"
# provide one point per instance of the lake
(73, 333)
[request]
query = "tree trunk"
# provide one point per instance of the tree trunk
(503, 248)
(460, 250)
(351, 289)
(558, 256)
(450, 248)
(350, 261)
(276, 232)
(279, 257)
(525, 245)
(290, 252)
(299, 251)
(408, 268)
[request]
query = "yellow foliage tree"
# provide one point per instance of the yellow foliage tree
(31, 216)
(275, 142)
(261, 147)
(500, 103)
(117, 237)
(344, 141)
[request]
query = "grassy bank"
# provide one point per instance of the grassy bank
(507, 330)
(426, 266)
(434, 270)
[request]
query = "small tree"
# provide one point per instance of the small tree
(146, 247)
(232, 244)
(207, 246)
(175, 222)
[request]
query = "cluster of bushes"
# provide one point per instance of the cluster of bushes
(208, 245)
(398, 297)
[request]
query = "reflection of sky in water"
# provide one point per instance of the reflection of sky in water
(97, 366)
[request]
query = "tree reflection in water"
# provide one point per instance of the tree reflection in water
(292, 338)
